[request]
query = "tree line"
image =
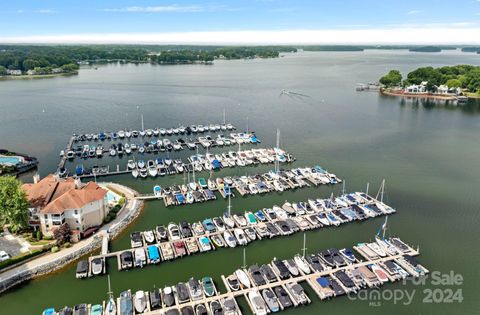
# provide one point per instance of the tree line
(47, 57)
(462, 76)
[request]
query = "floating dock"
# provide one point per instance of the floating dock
(348, 275)
(360, 206)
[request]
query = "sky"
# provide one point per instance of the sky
(241, 21)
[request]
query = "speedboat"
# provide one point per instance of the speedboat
(228, 220)
(302, 264)
(250, 232)
(271, 300)
(257, 303)
(205, 244)
(243, 279)
(174, 231)
(97, 266)
(216, 307)
(240, 235)
(135, 173)
(152, 168)
(240, 220)
(131, 164)
(379, 272)
(250, 217)
(208, 286)
(49, 311)
(143, 173)
(140, 301)
(126, 304)
(233, 282)
(149, 237)
(111, 308)
(292, 267)
(195, 289)
(96, 309)
(200, 309)
(229, 239)
(157, 191)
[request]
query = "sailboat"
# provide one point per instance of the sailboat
(386, 246)
(111, 308)
(227, 217)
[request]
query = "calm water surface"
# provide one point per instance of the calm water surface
(429, 154)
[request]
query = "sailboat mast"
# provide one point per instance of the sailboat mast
(244, 259)
(385, 227)
(247, 124)
(110, 293)
(304, 249)
(383, 190)
(277, 166)
(366, 191)
(143, 127)
(224, 121)
(229, 202)
(343, 187)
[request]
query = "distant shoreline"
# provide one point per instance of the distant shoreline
(36, 76)
(419, 95)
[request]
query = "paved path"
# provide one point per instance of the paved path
(130, 210)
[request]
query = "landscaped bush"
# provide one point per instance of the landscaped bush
(55, 249)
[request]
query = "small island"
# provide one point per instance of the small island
(448, 83)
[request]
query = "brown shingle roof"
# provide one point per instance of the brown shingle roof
(55, 196)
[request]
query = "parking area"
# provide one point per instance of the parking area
(12, 245)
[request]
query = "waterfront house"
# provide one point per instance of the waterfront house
(414, 88)
(14, 72)
(54, 201)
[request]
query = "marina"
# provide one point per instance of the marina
(277, 180)
(158, 166)
(278, 285)
(173, 241)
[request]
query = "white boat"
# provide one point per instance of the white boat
(149, 236)
(229, 239)
(131, 164)
(243, 278)
(189, 197)
(111, 308)
(258, 304)
(228, 220)
(377, 249)
(143, 173)
(380, 273)
(240, 235)
(152, 168)
(240, 220)
(135, 173)
(140, 301)
(140, 257)
(302, 264)
(157, 191)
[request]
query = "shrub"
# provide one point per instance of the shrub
(67, 245)
(55, 249)
(121, 202)
(39, 235)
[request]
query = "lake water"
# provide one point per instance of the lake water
(428, 153)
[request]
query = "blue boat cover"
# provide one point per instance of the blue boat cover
(216, 164)
(153, 252)
(180, 197)
(323, 282)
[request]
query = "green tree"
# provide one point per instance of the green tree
(13, 204)
(454, 83)
(393, 78)
(472, 80)
(3, 70)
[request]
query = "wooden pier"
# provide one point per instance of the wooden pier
(302, 222)
(309, 278)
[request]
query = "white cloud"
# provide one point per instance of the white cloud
(20, 11)
(412, 12)
(164, 8)
(45, 11)
(393, 35)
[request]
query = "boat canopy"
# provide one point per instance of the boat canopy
(323, 282)
(180, 198)
(153, 252)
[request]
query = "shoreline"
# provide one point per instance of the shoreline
(36, 76)
(419, 95)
